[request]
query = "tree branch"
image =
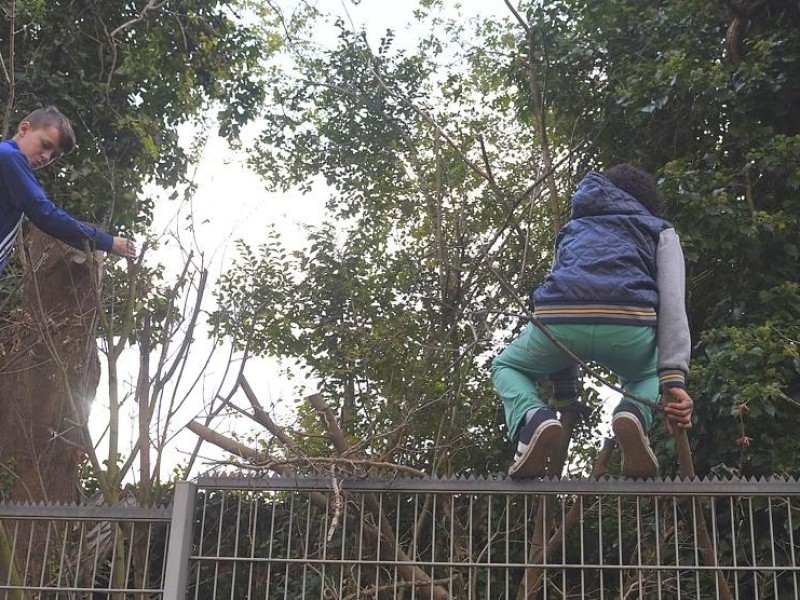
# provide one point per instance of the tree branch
(150, 6)
(8, 71)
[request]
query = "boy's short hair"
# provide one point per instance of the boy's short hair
(639, 184)
(52, 117)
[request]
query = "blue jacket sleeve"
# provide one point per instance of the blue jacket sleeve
(26, 193)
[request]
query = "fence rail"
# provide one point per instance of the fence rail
(316, 537)
(342, 538)
(63, 551)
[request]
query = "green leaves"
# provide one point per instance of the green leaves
(749, 377)
(427, 152)
(655, 85)
(128, 81)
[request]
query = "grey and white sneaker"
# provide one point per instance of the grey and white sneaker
(638, 460)
(538, 440)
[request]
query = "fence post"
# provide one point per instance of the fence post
(176, 579)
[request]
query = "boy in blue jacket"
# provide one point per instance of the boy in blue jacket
(41, 137)
(614, 295)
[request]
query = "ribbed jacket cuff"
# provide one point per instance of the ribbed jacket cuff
(672, 378)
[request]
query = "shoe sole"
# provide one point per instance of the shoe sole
(533, 462)
(638, 460)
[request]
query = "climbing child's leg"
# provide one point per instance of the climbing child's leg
(630, 351)
(531, 424)
(631, 423)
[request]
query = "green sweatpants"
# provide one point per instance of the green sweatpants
(630, 351)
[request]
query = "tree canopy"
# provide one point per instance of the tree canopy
(449, 160)
(441, 219)
(128, 77)
(702, 94)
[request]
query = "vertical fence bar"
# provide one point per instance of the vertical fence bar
(322, 536)
(343, 555)
(639, 543)
(236, 543)
(754, 559)
(269, 551)
(176, 577)
(792, 555)
(306, 542)
(733, 549)
(200, 545)
(714, 537)
(658, 532)
(434, 499)
(131, 550)
(695, 527)
(146, 566)
(253, 526)
(620, 556)
(361, 526)
(378, 561)
(397, 529)
(774, 564)
(218, 558)
(601, 571)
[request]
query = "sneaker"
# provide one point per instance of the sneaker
(538, 440)
(638, 459)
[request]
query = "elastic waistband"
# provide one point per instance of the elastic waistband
(597, 313)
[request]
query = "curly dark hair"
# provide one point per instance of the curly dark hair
(639, 184)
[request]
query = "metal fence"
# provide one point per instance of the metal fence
(238, 537)
(56, 551)
(474, 538)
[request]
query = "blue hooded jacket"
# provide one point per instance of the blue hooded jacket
(617, 263)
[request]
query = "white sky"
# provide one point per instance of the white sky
(231, 203)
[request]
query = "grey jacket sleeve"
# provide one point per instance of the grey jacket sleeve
(674, 340)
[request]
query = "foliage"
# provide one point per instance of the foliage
(688, 91)
(129, 78)
(424, 157)
(391, 307)
(133, 78)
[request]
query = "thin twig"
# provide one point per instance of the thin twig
(151, 5)
(8, 71)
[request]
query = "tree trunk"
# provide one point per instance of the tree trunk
(49, 371)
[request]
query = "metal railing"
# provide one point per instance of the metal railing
(64, 551)
(473, 538)
(237, 537)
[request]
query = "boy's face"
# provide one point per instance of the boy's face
(41, 145)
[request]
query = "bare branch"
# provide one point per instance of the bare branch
(274, 464)
(223, 442)
(150, 6)
(262, 417)
(328, 420)
(8, 70)
(517, 16)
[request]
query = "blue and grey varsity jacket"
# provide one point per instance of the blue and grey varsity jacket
(617, 263)
(21, 194)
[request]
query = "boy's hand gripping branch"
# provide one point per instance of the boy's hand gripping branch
(678, 405)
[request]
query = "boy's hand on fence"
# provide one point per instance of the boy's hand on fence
(678, 405)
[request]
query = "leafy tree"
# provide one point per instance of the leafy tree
(435, 208)
(129, 75)
(436, 191)
(702, 94)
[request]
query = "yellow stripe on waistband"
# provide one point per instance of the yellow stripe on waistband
(594, 311)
